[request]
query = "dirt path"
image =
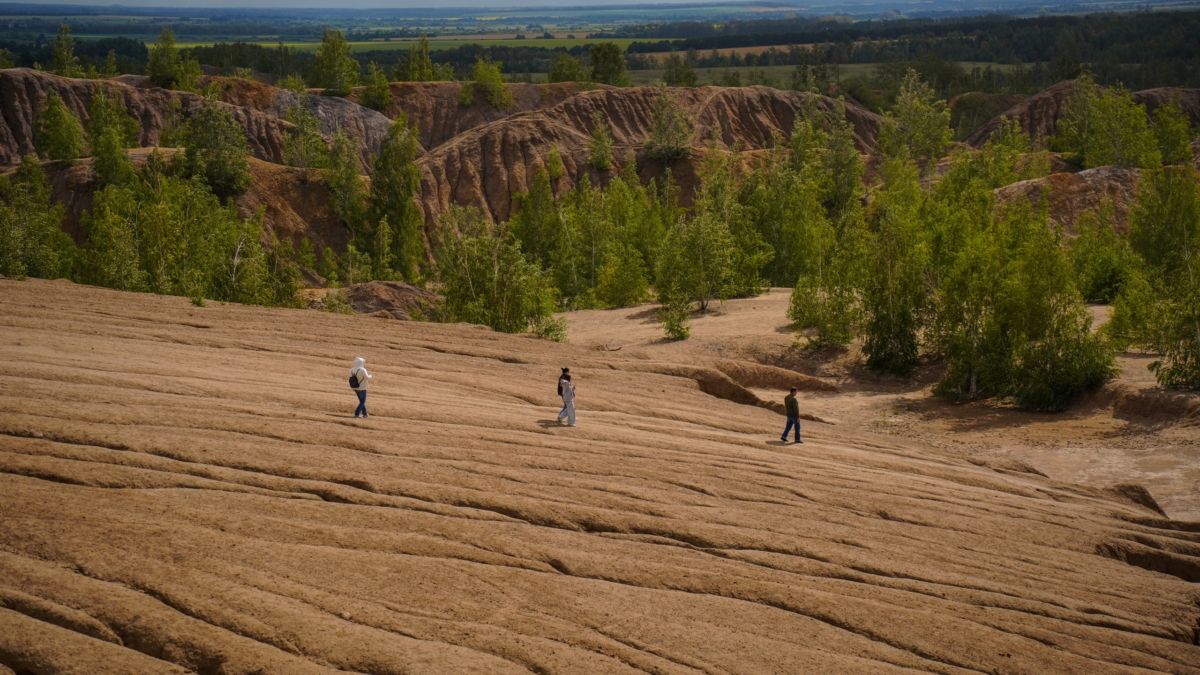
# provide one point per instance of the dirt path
(185, 489)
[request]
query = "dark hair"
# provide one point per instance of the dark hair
(793, 389)
(566, 370)
(566, 377)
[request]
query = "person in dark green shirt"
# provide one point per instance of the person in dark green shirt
(791, 407)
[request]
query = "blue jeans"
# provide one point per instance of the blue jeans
(792, 419)
(362, 404)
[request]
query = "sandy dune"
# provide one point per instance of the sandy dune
(184, 489)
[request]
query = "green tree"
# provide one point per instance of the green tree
(918, 126)
(63, 60)
(894, 295)
(1101, 127)
(216, 149)
(671, 129)
(608, 64)
(1173, 129)
(1010, 322)
(57, 131)
(171, 235)
(486, 280)
(488, 77)
(567, 68)
(376, 95)
(187, 78)
(718, 199)
(395, 181)
(537, 225)
(110, 161)
(678, 72)
(696, 263)
(334, 70)
(107, 110)
(1102, 258)
(347, 194)
(303, 145)
(600, 147)
(31, 241)
(622, 279)
(6, 59)
(110, 65)
(417, 67)
(328, 267)
(1159, 307)
(165, 62)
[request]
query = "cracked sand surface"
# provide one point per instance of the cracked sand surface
(184, 489)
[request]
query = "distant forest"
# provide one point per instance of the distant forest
(1140, 50)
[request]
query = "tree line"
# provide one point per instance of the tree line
(918, 266)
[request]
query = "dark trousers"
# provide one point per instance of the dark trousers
(792, 419)
(362, 405)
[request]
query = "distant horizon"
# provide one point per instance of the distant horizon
(489, 5)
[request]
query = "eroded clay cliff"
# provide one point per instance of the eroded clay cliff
(487, 165)
(23, 93)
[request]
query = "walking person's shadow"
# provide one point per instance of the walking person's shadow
(546, 424)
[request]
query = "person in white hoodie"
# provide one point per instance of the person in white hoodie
(568, 396)
(360, 375)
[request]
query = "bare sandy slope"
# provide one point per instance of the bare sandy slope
(1103, 440)
(184, 489)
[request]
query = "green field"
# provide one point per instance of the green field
(434, 45)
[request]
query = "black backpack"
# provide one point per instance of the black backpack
(354, 381)
(560, 386)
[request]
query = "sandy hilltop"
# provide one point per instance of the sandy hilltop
(185, 490)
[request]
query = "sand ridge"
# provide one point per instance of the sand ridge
(185, 489)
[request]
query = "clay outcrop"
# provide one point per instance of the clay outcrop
(1070, 195)
(434, 108)
(364, 125)
(487, 165)
(1039, 113)
(294, 206)
(23, 93)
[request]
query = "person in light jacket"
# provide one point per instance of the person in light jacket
(359, 372)
(568, 396)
